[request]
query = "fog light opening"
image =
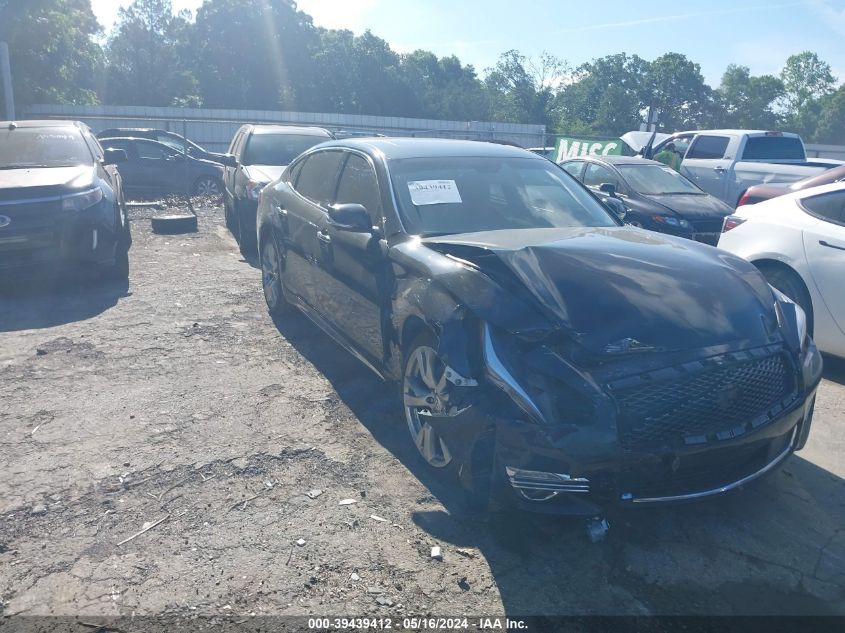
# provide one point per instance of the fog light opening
(535, 485)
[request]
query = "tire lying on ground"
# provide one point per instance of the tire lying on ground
(173, 224)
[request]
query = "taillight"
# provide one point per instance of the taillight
(731, 222)
(743, 200)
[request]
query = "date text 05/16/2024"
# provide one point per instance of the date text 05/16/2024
(417, 624)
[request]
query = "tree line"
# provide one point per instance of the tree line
(269, 55)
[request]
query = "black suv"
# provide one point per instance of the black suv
(61, 199)
(262, 152)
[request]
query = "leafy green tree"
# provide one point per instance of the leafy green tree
(675, 86)
(523, 90)
(831, 127)
(444, 88)
(747, 102)
(806, 80)
(149, 58)
(605, 99)
(255, 54)
(54, 54)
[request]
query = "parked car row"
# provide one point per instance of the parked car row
(551, 356)
(725, 163)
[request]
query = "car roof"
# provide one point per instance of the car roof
(615, 160)
(133, 139)
(729, 132)
(38, 123)
(399, 148)
(814, 191)
(306, 130)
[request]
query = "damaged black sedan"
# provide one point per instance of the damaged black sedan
(548, 354)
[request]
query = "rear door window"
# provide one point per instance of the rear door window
(574, 167)
(317, 179)
(829, 207)
(596, 175)
(153, 151)
(708, 147)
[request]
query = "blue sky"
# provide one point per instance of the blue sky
(755, 33)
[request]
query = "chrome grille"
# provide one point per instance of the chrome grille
(711, 401)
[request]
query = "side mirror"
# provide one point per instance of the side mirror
(617, 207)
(227, 160)
(350, 217)
(114, 156)
(609, 188)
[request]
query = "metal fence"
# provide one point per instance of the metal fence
(214, 129)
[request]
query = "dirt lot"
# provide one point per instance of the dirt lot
(179, 400)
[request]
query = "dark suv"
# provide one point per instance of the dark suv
(61, 199)
(262, 153)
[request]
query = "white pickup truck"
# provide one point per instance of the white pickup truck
(727, 162)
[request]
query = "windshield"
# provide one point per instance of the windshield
(654, 180)
(43, 147)
(440, 196)
(278, 149)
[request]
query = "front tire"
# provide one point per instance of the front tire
(247, 239)
(423, 391)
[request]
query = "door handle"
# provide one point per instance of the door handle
(839, 248)
(719, 169)
(282, 212)
(325, 238)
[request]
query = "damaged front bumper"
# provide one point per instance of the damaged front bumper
(583, 468)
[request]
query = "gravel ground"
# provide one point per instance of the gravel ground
(178, 403)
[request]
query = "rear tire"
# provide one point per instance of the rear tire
(208, 186)
(790, 284)
(271, 278)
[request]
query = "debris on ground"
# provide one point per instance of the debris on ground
(436, 553)
(313, 494)
(375, 517)
(300, 542)
(145, 528)
(347, 502)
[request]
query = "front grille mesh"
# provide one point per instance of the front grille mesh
(719, 401)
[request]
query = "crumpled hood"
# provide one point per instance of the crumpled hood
(264, 173)
(44, 181)
(608, 285)
(693, 206)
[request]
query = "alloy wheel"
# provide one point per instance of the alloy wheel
(424, 393)
(207, 187)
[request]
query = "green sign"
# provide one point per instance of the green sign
(569, 147)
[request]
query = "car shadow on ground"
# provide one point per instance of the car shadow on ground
(771, 548)
(50, 300)
(834, 369)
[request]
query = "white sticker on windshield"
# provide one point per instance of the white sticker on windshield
(425, 192)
